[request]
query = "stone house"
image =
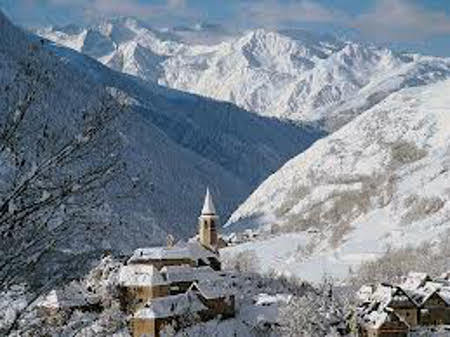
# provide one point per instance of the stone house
(140, 283)
(383, 324)
(176, 311)
(418, 301)
(404, 306)
(434, 310)
(215, 297)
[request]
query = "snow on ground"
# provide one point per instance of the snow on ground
(12, 302)
(382, 180)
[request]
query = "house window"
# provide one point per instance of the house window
(212, 222)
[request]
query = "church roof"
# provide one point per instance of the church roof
(187, 273)
(208, 205)
(181, 251)
(140, 275)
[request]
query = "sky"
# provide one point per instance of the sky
(410, 25)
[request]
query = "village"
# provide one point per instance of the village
(170, 288)
(396, 310)
(182, 284)
(177, 284)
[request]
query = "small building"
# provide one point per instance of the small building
(433, 309)
(139, 283)
(418, 301)
(385, 323)
(215, 297)
(404, 306)
(176, 311)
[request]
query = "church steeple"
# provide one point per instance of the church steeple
(208, 222)
(208, 205)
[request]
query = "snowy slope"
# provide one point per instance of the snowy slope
(381, 180)
(176, 143)
(289, 74)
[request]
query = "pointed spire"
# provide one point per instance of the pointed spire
(208, 206)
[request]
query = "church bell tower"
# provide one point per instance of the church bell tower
(208, 222)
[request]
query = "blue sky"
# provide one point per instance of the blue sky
(417, 25)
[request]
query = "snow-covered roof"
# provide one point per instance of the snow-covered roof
(186, 273)
(414, 280)
(160, 253)
(445, 294)
(191, 250)
(433, 285)
(377, 318)
(419, 288)
(211, 288)
(421, 295)
(208, 205)
(140, 275)
(198, 252)
(170, 306)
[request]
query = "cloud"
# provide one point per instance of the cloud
(402, 20)
(276, 13)
(176, 4)
(136, 8)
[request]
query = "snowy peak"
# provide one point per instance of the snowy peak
(290, 74)
(274, 52)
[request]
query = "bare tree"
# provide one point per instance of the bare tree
(54, 173)
(246, 261)
(316, 314)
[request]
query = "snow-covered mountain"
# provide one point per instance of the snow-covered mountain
(288, 74)
(177, 143)
(381, 180)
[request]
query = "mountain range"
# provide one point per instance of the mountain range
(229, 114)
(290, 74)
(175, 142)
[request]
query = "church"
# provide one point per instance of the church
(202, 250)
(159, 286)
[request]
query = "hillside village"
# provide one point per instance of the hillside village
(159, 287)
(169, 285)
(163, 290)
(395, 310)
